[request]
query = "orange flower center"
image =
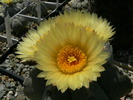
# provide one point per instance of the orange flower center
(71, 59)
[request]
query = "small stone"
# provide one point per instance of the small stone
(4, 78)
(2, 93)
(78, 5)
(7, 84)
(11, 56)
(83, 4)
(10, 92)
(19, 88)
(21, 66)
(7, 61)
(11, 80)
(9, 95)
(8, 68)
(16, 61)
(20, 97)
(2, 87)
(129, 99)
(24, 75)
(12, 84)
(25, 69)
(26, 66)
(86, 1)
(17, 70)
(16, 94)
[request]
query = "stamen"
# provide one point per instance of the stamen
(71, 59)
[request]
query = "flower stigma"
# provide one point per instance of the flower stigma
(71, 59)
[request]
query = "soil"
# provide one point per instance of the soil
(10, 89)
(3, 48)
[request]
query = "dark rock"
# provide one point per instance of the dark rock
(18, 26)
(115, 82)
(33, 86)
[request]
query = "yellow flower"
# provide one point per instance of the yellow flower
(27, 47)
(90, 21)
(7, 1)
(69, 54)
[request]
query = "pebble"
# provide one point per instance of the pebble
(7, 61)
(2, 94)
(78, 4)
(20, 97)
(13, 90)
(3, 47)
(8, 68)
(2, 87)
(9, 95)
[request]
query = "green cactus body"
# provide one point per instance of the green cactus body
(33, 9)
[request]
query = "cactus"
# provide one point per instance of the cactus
(18, 25)
(11, 9)
(33, 9)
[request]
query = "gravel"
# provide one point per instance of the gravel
(10, 89)
(126, 56)
(3, 48)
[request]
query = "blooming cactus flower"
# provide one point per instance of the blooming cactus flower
(10, 1)
(7, 1)
(68, 49)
